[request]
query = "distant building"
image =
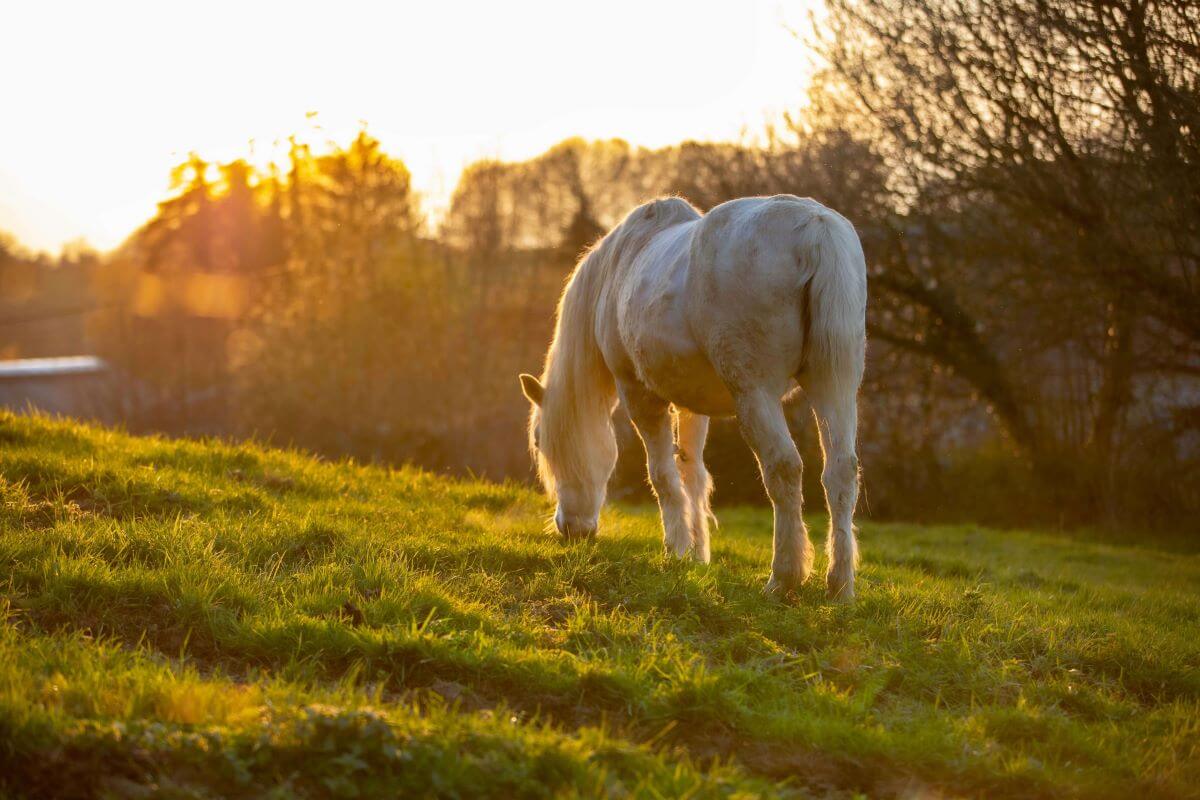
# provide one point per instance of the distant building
(76, 386)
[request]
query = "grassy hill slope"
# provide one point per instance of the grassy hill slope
(190, 619)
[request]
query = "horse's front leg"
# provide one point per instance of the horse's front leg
(652, 419)
(765, 427)
(693, 431)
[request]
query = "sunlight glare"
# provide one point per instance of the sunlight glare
(110, 96)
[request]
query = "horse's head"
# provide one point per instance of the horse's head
(575, 456)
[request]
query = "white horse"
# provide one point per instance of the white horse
(716, 314)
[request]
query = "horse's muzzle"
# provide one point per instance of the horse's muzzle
(576, 533)
(574, 528)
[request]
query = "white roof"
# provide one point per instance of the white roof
(61, 365)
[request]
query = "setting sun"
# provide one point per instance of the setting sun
(111, 96)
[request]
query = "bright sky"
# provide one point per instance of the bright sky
(100, 99)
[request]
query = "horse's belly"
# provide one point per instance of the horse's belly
(683, 376)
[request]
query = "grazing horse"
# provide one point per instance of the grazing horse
(715, 314)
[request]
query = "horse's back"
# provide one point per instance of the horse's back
(747, 249)
(719, 302)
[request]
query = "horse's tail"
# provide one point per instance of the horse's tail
(835, 341)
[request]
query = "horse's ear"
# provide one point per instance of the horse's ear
(532, 389)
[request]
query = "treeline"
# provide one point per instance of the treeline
(1026, 180)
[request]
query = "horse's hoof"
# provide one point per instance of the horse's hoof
(678, 551)
(779, 586)
(839, 593)
(840, 596)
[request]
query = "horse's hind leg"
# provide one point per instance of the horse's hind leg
(693, 431)
(762, 421)
(836, 409)
(651, 418)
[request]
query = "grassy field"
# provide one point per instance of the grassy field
(203, 620)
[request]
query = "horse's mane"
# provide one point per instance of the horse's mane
(576, 414)
(579, 389)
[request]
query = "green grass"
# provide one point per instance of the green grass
(190, 619)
